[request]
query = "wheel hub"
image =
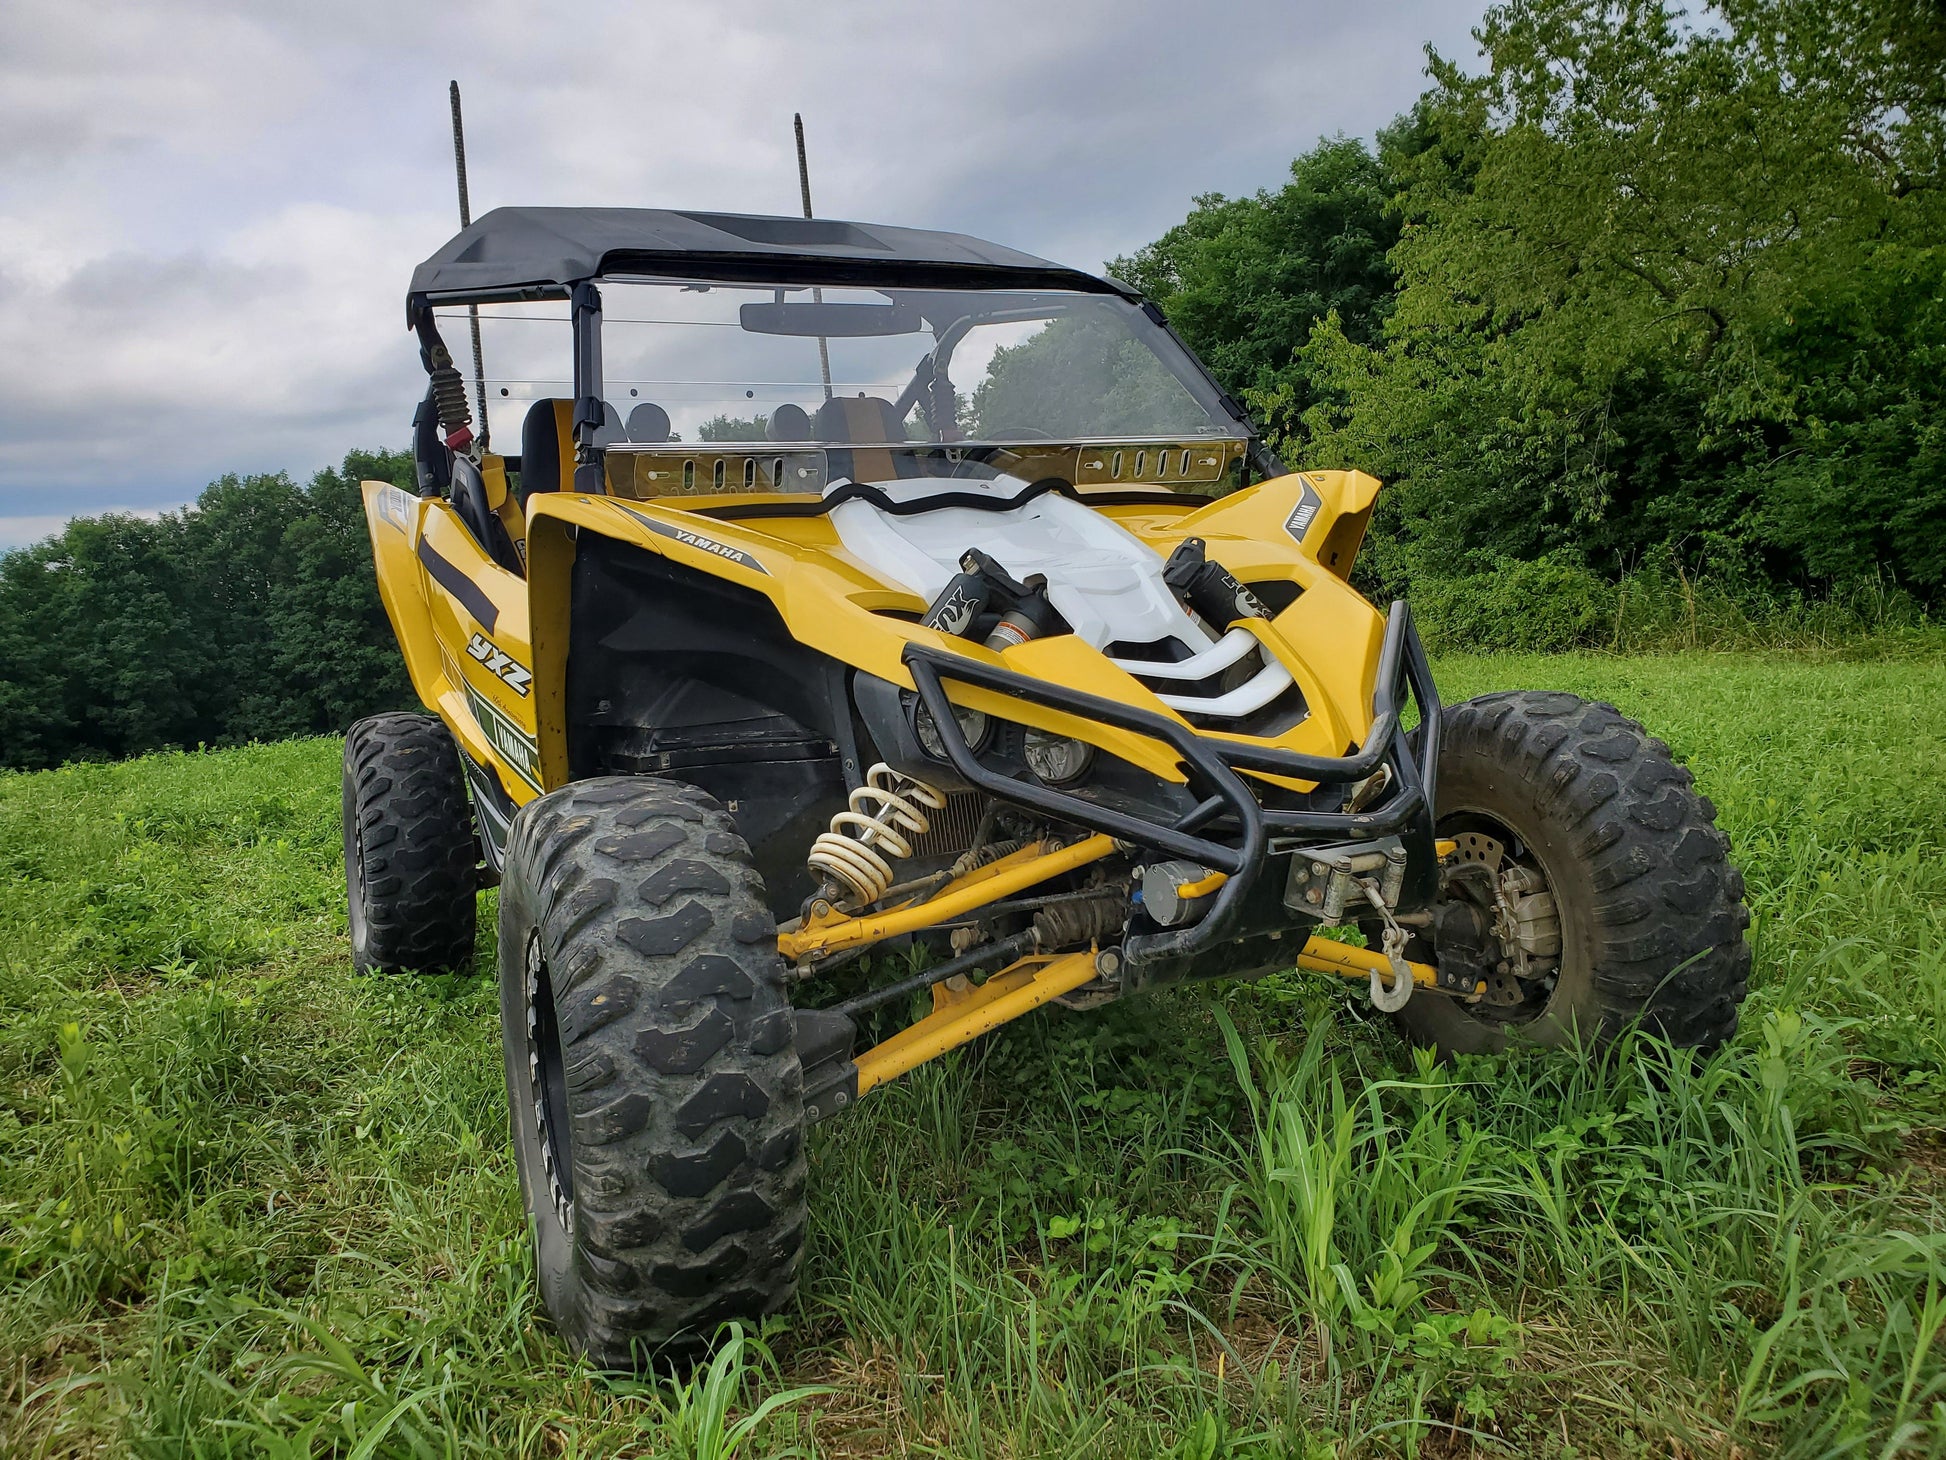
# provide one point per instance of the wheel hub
(546, 1084)
(1523, 946)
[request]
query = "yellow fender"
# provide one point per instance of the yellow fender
(461, 623)
(833, 606)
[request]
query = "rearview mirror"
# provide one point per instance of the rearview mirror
(832, 321)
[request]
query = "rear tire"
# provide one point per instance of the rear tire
(1651, 910)
(411, 855)
(657, 1101)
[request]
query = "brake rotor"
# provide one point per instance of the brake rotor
(1503, 984)
(1477, 846)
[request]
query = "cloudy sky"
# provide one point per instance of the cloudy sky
(208, 211)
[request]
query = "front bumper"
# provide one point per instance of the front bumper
(1228, 829)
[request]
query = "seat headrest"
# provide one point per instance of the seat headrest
(862, 418)
(610, 430)
(789, 423)
(541, 437)
(648, 423)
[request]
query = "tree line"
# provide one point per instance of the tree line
(1640, 292)
(253, 615)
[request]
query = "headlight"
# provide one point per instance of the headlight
(972, 724)
(1056, 759)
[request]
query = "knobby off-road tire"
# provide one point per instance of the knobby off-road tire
(411, 855)
(1651, 909)
(657, 1100)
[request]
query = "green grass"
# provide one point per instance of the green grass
(252, 1204)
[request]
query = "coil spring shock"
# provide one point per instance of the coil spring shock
(449, 395)
(885, 813)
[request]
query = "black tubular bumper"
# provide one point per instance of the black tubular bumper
(1211, 765)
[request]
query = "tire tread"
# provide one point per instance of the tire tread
(1668, 914)
(406, 803)
(639, 889)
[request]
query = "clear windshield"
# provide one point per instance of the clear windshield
(689, 365)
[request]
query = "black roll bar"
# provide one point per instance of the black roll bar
(1210, 766)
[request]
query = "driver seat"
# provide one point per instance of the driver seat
(868, 420)
(547, 444)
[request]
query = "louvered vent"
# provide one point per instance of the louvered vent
(1230, 685)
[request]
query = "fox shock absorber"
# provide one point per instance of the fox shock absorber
(980, 588)
(449, 397)
(1208, 587)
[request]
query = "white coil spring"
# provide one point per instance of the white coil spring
(885, 812)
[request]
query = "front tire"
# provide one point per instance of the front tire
(657, 1101)
(1650, 908)
(411, 855)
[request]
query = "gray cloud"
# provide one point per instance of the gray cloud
(208, 210)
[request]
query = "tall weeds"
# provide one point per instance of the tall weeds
(1551, 605)
(253, 1204)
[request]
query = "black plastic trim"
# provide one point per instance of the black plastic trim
(453, 579)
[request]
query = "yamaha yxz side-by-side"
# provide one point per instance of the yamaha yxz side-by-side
(857, 588)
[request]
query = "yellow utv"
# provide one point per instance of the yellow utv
(829, 588)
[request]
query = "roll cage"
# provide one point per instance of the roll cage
(533, 254)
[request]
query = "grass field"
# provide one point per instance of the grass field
(252, 1204)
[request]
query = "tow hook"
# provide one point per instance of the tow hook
(1392, 945)
(1325, 882)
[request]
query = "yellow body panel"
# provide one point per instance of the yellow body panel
(834, 605)
(457, 613)
(505, 505)
(1328, 637)
(487, 651)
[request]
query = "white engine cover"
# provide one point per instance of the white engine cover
(1104, 580)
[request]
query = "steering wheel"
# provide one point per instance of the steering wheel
(989, 453)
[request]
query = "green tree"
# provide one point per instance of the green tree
(251, 615)
(736, 428)
(1666, 284)
(1078, 376)
(98, 654)
(332, 635)
(1243, 280)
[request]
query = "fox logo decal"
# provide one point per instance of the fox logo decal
(497, 660)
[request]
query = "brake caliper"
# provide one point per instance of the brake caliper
(1498, 922)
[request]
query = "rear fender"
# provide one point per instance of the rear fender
(461, 622)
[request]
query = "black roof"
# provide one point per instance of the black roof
(531, 253)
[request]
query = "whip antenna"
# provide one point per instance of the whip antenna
(804, 188)
(466, 221)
